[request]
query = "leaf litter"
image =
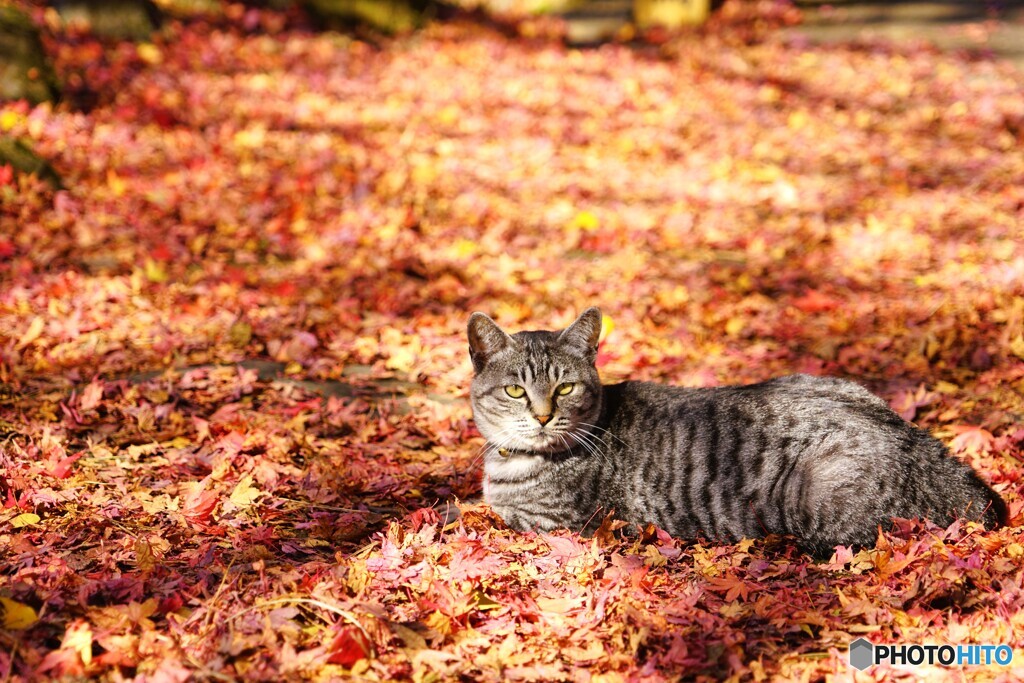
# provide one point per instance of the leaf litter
(740, 204)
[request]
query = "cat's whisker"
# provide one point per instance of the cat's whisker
(589, 447)
(583, 433)
(594, 437)
(565, 443)
(489, 442)
(588, 442)
(605, 431)
(493, 444)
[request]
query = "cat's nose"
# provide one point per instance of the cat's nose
(543, 419)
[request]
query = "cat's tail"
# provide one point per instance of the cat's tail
(927, 482)
(997, 514)
(958, 490)
(994, 512)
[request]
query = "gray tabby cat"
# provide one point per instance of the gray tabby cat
(820, 458)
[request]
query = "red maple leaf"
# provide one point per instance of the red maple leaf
(815, 302)
(349, 646)
(199, 505)
(63, 468)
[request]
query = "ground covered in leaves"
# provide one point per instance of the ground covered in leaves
(234, 374)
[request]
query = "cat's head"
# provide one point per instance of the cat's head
(536, 391)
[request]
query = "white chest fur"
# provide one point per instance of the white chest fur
(512, 468)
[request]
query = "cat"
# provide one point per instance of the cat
(819, 458)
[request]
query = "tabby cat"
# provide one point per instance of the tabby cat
(819, 458)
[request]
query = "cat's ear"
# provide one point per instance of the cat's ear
(584, 334)
(485, 340)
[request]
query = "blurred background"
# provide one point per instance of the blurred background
(324, 191)
(334, 186)
(240, 241)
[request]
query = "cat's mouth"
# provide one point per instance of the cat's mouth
(539, 441)
(548, 441)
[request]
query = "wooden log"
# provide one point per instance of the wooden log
(115, 19)
(25, 73)
(390, 16)
(670, 14)
(22, 158)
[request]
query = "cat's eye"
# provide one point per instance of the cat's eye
(565, 389)
(515, 391)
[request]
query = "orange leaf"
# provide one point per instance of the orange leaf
(971, 439)
(815, 302)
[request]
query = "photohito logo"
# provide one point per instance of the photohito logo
(863, 654)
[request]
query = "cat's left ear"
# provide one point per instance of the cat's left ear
(584, 334)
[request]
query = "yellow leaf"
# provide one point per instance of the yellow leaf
(401, 359)
(423, 174)
(673, 298)
(253, 137)
(465, 248)
(593, 651)
(875, 227)
(245, 494)
(734, 326)
(654, 558)
(586, 221)
(766, 174)
(731, 610)
(484, 602)
(25, 519)
(240, 333)
(607, 325)
(1017, 346)
(797, 120)
(449, 115)
(145, 559)
(149, 53)
(438, 622)
(92, 395)
(8, 119)
(15, 615)
(558, 605)
(155, 271)
(78, 638)
(35, 328)
(116, 185)
(744, 545)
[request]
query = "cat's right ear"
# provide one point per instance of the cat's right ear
(485, 340)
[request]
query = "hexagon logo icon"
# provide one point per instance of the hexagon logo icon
(861, 652)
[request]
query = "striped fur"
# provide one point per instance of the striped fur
(820, 458)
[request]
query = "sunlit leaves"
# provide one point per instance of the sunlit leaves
(328, 211)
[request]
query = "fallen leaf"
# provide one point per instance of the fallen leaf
(16, 616)
(25, 519)
(348, 647)
(35, 329)
(244, 493)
